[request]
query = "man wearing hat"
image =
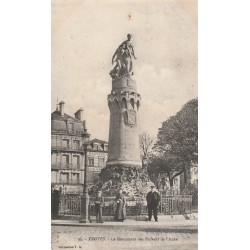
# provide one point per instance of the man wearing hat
(153, 200)
(99, 200)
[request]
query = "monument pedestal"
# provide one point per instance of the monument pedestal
(133, 181)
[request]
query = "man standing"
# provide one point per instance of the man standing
(99, 200)
(153, 200)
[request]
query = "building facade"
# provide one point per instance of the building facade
(68, 139)
(97, 158)
(68, 136)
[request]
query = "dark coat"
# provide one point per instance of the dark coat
(55, 200)
(120, 213)
(153, 198)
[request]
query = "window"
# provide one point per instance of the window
(132, 103)
(75, 178)
(101, 161)
(91, 162)
(124, 103)
(76, 144)
(71, 127)
(65, 143)
(53, 141)
(53, 158)
(65, 177)
(54, 163)
(76, 161)
(65, 161)
(53, 176)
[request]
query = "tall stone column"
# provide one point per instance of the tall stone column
(124, 166)
(124, 103)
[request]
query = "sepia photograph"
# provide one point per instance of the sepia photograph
(101, 127)
(124, 124)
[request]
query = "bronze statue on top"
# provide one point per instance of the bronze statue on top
(123, 58)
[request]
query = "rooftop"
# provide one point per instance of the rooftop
(98, 141)
(56, 116)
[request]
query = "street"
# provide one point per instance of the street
(168, 234)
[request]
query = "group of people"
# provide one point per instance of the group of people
(120, 213)
(153, 200)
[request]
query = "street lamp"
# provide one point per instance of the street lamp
(85, 197)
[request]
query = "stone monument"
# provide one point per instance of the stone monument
(124, 103)
(124, 166)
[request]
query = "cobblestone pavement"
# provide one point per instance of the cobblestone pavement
(169, 235)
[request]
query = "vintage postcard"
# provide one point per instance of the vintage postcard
(124, 124)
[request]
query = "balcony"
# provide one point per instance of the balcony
(67, 148)
(75, 132)
(68, 131)
(67, 182)
(66, 166)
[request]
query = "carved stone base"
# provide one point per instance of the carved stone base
(133, 181)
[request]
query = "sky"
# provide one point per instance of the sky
(85, 35)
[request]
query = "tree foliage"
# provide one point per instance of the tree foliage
(166, 164)
(179, 134)
(177, 142)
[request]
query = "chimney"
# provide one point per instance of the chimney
(61, 105)
(79, 114)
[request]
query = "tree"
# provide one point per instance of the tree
(146, 144)
(166, 164)
(178, 139)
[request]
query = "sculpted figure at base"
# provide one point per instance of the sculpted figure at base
(123, 58)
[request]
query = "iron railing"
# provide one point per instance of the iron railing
(70, 205)
(169, 205)
(176, 204)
